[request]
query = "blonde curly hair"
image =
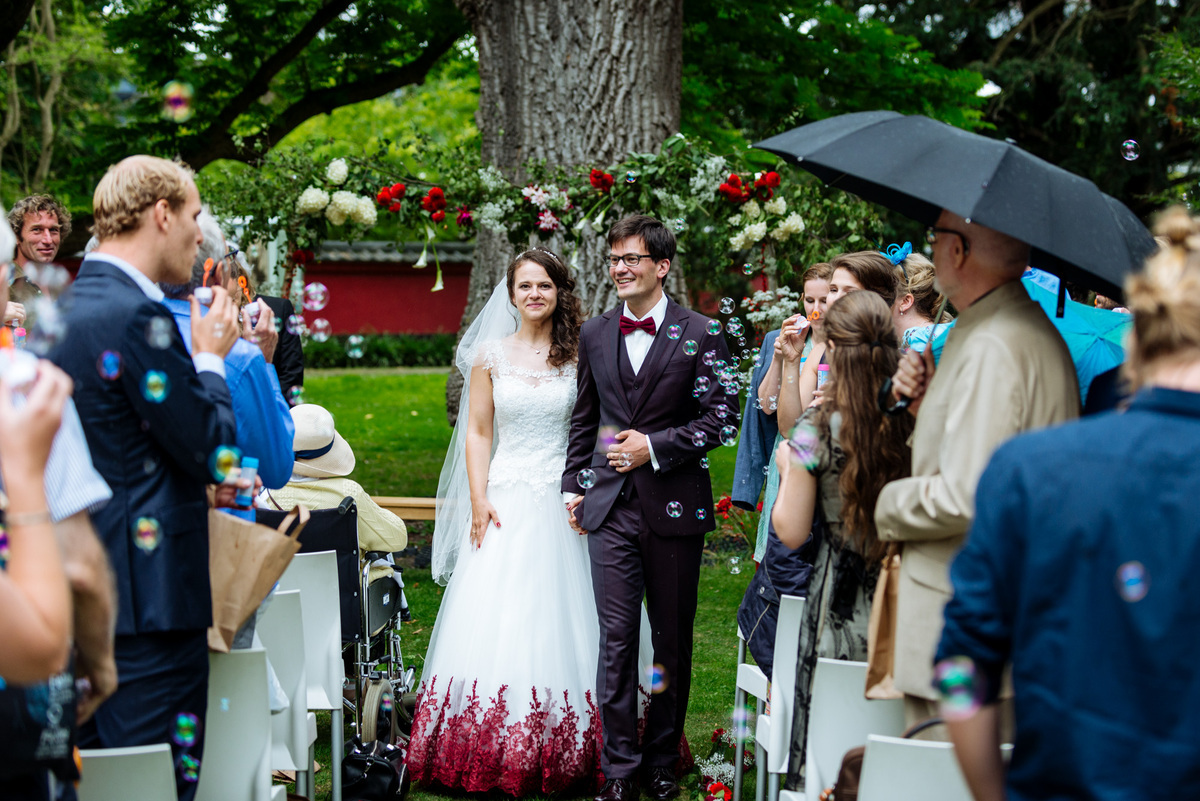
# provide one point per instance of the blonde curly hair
(131, 186)
(1165, 299)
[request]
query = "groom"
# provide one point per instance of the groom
(649, 407)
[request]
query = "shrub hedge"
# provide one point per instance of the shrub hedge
(383, 350)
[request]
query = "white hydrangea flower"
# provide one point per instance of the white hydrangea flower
(492, 215)
(751, 210)
(735, 219)
(363, 212)
(708, 176)
(791, 225)
(776, 205)
(492, 179)
(748, 236)
(341, 205)
(337, 172)
(312, 201)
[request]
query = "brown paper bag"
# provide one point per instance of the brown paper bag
(244, 562)
(881, 630)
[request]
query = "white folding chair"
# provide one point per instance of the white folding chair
(315, 575)
(841, 718)
(751, 679)
(778, 731)
(895, 769)
(145, 772)
(237, 729)
(281, 629)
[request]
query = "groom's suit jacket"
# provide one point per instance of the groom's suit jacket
(659, 402)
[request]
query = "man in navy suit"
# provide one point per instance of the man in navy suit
(153, 415)
(650, 405)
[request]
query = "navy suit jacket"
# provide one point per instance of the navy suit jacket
(153, 454)
(661, 406)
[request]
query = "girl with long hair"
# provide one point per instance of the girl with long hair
(831, 469)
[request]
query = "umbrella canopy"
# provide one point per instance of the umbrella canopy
(918, 166)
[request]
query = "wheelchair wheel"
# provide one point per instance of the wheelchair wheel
(379, 712)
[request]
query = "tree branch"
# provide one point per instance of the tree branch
(323, 101)
(13, 20)
(1013, 33)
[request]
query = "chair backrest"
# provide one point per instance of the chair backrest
(281, 629)
(783, 688)
(315, 575)
(117, 774)
(237, 729)
(841, 718)
(333, 530)
(895, 769)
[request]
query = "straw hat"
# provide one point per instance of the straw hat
(320, 451)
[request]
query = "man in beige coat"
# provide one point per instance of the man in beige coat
(1004, 370)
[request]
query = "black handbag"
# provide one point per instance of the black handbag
(374, 772)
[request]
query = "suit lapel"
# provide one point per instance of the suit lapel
(610, 345)
(660, 351)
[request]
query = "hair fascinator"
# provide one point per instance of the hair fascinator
(896, 254)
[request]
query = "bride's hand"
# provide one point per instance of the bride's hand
(482, 515)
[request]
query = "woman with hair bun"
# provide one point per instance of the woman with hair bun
(917, 302)
(831, 470)
(1080, 572)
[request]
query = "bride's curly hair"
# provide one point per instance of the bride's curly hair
(865, 354)
(568, 315)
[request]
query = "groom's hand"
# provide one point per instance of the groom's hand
(630, 451)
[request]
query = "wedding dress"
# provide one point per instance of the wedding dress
(507, 696)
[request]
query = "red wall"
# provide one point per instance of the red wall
(392, 298)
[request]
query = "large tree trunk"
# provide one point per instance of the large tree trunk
(570, 82)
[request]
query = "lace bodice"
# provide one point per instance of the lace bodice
(532, 420)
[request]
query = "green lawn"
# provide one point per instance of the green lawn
(395, 420)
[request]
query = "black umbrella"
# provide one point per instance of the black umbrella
(919, 166)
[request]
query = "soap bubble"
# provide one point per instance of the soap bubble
(1132, 581)
(713, 327)
(726, 306)
(224, 460)
(708, 357)
(295, 396)
(109, 365)
(1130, 150)
(704, 462)
(606, 437)
(189, 768)
(960, 687)
(674, 509)
(177, 101)
(722, 411)
(587, 478)
(631, 177)
(320, 329)
(804, 444)
(699, 438)
(295, 324)
(159, 332)
(680, 224)
(656, 677)
(690, 347)
(316, 296)
(702, 384)
(3, 549)
(729, 435)
(186, 725)
(735, 565)
(147, 534)
(747, 269)
(734, 327)
(155, 386)
(354, 346)
(701, 514)
(673, 331)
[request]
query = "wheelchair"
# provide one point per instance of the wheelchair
(371, 615)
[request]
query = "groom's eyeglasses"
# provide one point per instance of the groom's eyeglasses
(630, 259)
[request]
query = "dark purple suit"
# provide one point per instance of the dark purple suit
(638, 548)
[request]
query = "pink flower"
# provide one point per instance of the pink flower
(464, 217)
(547, 221)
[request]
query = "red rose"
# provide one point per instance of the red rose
(384, 197)
(394, 206)
(766, 185)
(734, 180)
(438, 216)
(724, 504)
(717, 734)
(601, 180)
(759, 509)
(397, 191)
(772, 179)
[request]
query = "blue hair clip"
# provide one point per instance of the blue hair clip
(896, 254)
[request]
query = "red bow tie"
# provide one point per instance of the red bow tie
(628, 326)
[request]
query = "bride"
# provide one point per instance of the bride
(507, 696)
